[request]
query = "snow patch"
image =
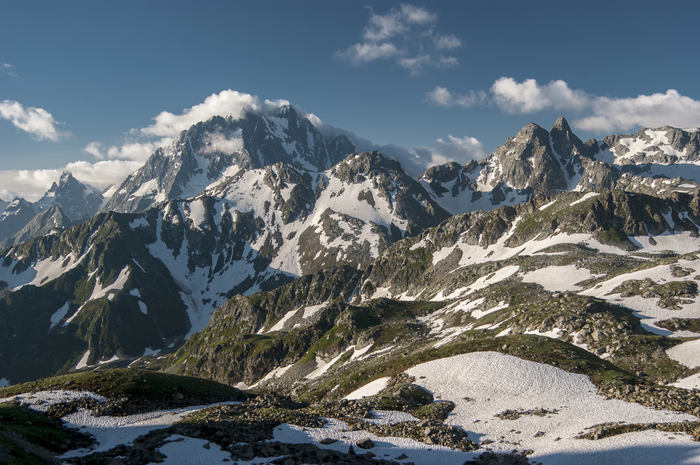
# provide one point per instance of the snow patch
(59, 315)
(139, 223)
(687, 353)
(589, 195)
(495, 382)
(313, 309)
(83, 361)
(370, 389)
(559, 278)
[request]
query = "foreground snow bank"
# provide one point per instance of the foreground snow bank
(484, 384)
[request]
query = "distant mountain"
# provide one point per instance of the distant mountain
(166, 270)
(537, 163)
(76, 199)
(210, 151)
(15, 216)
(65, 204)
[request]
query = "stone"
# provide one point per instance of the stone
(365, 443)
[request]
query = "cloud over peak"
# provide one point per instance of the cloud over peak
(227, 102)
(406, 35)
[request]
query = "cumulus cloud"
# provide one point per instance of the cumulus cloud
(36, 121)
(671, 108)
(442, 97)
(142, 142)
(416, 160)
(6, 68)
(597, 114)
(220, 143)
(529, 97)
(227, 102)
(359, 54)
(446, 42)
(457, 149)
(137, 151)
(405, 35)
(32, 184)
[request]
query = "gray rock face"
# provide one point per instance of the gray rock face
(527, 163)
(52, 219)
(65, 204)
(407, 198)
(664, 145)
(170, 267)
(76, 199)
(16, 215)
(209, 151)
(537, 163)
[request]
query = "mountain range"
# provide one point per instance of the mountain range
(258, 253)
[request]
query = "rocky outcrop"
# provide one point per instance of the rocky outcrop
(210, 151)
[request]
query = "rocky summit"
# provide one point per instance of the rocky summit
(258, 292)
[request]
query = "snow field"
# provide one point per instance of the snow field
(647, 309)
(481, 283)
(687, 354)
(108, 431)
(493, 382)
(99, 291)
(370, 389)
(385, 447)
(559, 278)
(183, 450)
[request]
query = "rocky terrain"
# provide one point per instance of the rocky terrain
(537, 306)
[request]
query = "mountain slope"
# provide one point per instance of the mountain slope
(538, 163)
(16, 215)
(76, 199)
(209, 151)
(510, 271)
(65, 204)
(90, 285)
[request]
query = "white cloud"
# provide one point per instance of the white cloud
(442, 97)
(137, 151)
(220, 143)
(32, 184)
(403, 34)
(418, 63)
(598, 114)
(530, 97)
(415, 64)
(360, 54)
(446, 42)
(227, 102)
(168, 125)
(460, 150)
(417, 15)
(418, 159)
(36, 121)
(671, 108)
(382, 27)
(414, 160)
(6, 68)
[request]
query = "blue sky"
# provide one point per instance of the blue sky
(82, 82)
